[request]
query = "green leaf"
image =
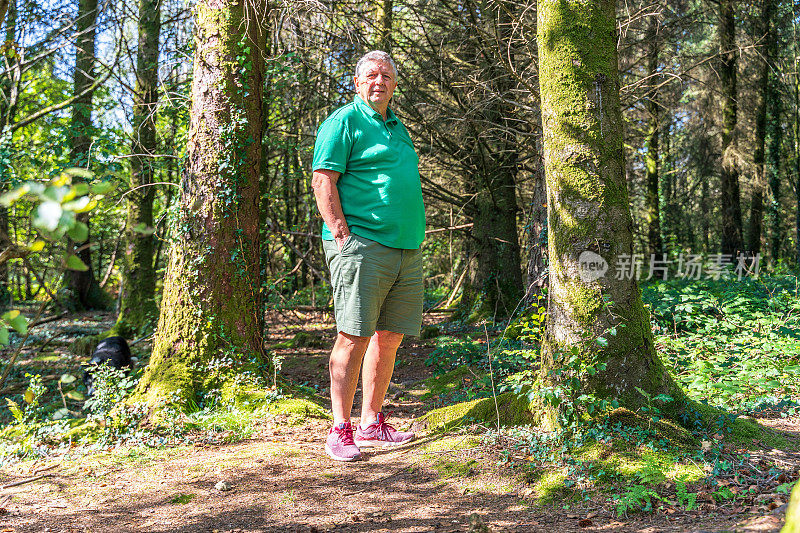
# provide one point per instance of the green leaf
(80, 189)
(47, 216)
(75, 395)
(102, 187)
(74, 263)
(28, 396)
(78, 205)
(144, 229)
(79, 232)
(37, 246)
(3, 334)
(16, 321)
(13, 195)
(61, 413)
(79, 173)
(602, 341)
(13, 406)
(66, 379)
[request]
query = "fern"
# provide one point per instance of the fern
(636, 498)
(685, 498)
(651, 473)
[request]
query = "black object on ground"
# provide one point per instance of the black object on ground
(112, 351)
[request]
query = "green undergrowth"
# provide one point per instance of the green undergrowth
(110, 419)
(732, 343)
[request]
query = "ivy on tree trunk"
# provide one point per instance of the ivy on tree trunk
(209, 336)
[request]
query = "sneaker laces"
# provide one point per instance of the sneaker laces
(382, 427)
(345, 434)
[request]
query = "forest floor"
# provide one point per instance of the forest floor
(279, 478)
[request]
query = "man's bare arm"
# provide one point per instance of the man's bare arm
(330, 206)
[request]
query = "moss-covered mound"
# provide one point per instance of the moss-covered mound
(513, 410)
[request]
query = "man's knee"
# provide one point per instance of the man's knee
(388, 338)
(351, 343)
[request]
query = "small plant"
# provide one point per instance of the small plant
(686, 499)
(111, 386)
(30, 412)
(651, 409)
(636, 498)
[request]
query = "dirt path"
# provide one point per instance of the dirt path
(281, 480)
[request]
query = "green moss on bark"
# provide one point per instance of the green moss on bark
(209, 334)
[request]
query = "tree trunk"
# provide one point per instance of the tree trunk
(589, 220)
(731, 203)
(775, 105)
(10, 87)
(209, 336)
(84, 291)
(138, 310)
(667, 207)
(775, 111)
(495, 286)
(765, 37)
(651, 159)
(537, 237)
(383, 15)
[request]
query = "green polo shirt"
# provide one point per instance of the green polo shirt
(379, 186)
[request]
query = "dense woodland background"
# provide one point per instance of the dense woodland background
(155, 169)
(710, 101)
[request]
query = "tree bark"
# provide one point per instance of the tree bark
(588, 208)
(495, 286)
(383, 15)
(765, 37)
(10, 87)
(209, 336)
(84, 291)
(731, 202)
(138, 311)
(651, 158)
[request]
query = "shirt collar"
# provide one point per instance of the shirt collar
(391, 118)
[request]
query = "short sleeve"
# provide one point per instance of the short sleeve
(333, 145)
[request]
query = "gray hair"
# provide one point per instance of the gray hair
(376, 56)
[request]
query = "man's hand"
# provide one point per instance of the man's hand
(341, 240)
(330, 206)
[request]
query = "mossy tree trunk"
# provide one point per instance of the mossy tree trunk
(9, 85)
(588, 206)
(764, 36)
(652, 156)
(84, 290)
(138, 311)
(209, 336)
(729, 188)
(495, 288)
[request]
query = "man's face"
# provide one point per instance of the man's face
(376, 84)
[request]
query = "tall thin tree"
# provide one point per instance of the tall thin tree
(764, 38)
(589, 219)
(729, 188)
(138, 308)
(85, 291)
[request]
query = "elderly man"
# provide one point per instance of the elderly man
(367, 186)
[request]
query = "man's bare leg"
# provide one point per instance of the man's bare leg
(344, 366)
(377, 373)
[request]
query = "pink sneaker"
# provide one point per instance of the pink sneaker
(381, 434)
(340, 445)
